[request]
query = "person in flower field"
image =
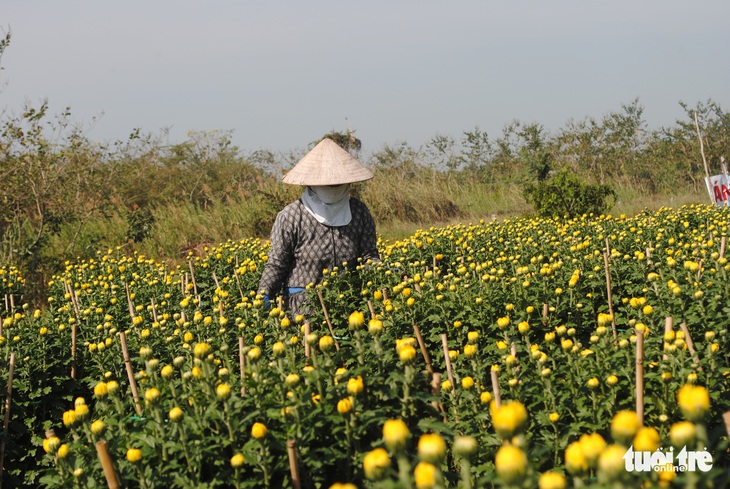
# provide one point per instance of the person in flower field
(323, 229)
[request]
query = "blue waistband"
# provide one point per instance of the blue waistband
(295, 290)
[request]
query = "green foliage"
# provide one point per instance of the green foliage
(140, 221)
(346, 140)
(566, 195)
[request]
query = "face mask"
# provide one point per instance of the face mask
(331, 194)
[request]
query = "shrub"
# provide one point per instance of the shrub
(566, 195)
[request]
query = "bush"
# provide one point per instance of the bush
(566, 195)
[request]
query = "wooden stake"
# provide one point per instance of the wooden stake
(6, 421)
(242, 363)
(545, 310)
(215, 279)
(307, 346)
(372, 310)
(192, 277)
(293, 466)
(422, 345)
(722, 246)
(726, 418)
(107, 464)
(495, 388)
(238, 281)
(668, 326)
(154, 309)
(606, 254)
(447, 359)
(327, 318)
(73, 350)
(129, 300)
(436, 391)
(690, 343)
(130, 372)
(70, 292)
(640, 375)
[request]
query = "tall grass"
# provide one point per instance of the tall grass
(401, 203)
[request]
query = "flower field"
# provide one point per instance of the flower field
(519, 353)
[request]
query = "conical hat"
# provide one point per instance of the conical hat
(327, 164)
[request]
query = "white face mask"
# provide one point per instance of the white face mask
(331, 194)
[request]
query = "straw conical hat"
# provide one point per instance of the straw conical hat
(327, 164)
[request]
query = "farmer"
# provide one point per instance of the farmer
(323, 229)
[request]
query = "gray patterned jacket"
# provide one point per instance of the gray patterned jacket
(301, 247)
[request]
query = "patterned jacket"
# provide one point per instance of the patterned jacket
(301, 247)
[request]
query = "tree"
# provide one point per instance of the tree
(346, 140)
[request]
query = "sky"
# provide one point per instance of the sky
(281, 74)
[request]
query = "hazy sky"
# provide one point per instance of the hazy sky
(280, 74)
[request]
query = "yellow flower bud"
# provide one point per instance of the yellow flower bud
(395, 434)
(258, 430)
(511, 464)
(431, 448)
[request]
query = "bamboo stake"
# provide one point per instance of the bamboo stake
(726, 418)
(640, 375)
(215, 279)
(6, 421)
(293, 468)
(372, 310)
(606, 254)
(447, 359)
(129, 300)
(307, 346)
(107, 465)
(422, 345)
(154, 309)
(668, 326)
(192, 277)
(74, 329)
(690, 343)
(495, 388)
(238, 282)
(72, 293)
(49, 434)
(327, 318)
(545, 310)
(130, 372)
(436, 391)
(722, 246)
(242, 363)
